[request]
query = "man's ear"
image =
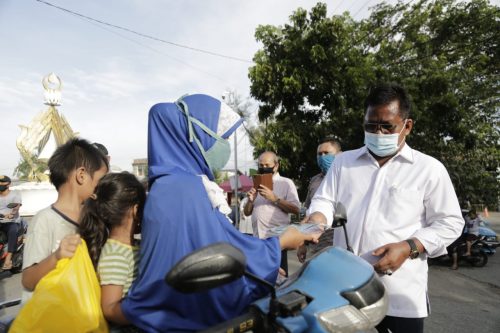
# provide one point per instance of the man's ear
(408, 126)
(80, 175)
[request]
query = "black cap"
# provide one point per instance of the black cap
(5, 179)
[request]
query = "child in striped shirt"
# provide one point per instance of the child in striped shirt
(109, 220)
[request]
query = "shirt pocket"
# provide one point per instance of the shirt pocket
(406, 194)
(405, 205)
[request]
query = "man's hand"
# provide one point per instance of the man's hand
(393, 256)
(251, 195)
(267, 193)
(316, 218)
(68, 246)
(302, 253)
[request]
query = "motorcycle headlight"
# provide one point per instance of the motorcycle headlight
(490, 238)
(368, 307)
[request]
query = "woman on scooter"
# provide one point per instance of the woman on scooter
(187, 144)
(10, 202)
(472, 221)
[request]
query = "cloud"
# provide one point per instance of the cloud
(110, 77)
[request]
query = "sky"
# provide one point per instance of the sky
(111, 78)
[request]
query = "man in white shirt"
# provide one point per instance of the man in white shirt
(400, 203)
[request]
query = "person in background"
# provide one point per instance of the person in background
(103, 150)
(110, 218)
(245, 225)
(10, 202)
(75, 169)
(328, 148)
(400, 203)
(326, 152)
(472, 221)
(270, 208)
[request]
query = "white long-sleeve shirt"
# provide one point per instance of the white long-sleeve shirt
(411, 195)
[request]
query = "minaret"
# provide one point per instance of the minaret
(50, 123)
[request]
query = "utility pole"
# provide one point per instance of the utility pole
(230, 99)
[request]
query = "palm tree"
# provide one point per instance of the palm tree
(31, 168)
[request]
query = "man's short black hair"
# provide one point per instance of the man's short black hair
(72, 155)
(5, 179)
(332, 140)
(386, 93)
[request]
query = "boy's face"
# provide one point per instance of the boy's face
(89, 183)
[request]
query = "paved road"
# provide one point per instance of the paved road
(466, 300)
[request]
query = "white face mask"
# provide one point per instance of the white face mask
(383, 144)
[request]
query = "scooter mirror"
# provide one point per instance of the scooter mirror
(340, 220)
(340, 216)
(207, 268)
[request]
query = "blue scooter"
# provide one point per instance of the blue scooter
(335, 291)
(488, 237)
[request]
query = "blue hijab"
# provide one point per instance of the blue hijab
(179, 218)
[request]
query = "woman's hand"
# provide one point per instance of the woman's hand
(291, 239)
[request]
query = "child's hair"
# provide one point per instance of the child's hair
(115, 194)
(75, 153)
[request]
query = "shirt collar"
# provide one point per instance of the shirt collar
(276, 176)
(406, 153)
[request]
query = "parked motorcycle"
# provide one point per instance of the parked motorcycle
(335, 291)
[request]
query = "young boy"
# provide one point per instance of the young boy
(75, 169)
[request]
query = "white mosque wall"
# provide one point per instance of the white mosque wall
(35, 196)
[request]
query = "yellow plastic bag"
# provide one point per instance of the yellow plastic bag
(67, 299)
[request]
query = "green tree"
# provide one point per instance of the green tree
(30, 168)
(313, 73)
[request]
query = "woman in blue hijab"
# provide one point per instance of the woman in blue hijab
(187, 140)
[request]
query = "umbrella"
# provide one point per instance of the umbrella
(245, 183)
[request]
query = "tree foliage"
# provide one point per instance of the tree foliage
(31, 168)
(312, 75)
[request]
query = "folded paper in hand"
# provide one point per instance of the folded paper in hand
(305, 228)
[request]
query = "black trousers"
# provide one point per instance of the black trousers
(10, 228)
(401, 325)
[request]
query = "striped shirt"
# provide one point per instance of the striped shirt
(118, 264)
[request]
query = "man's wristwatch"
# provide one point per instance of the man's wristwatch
(277, 201)
(413, 249)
